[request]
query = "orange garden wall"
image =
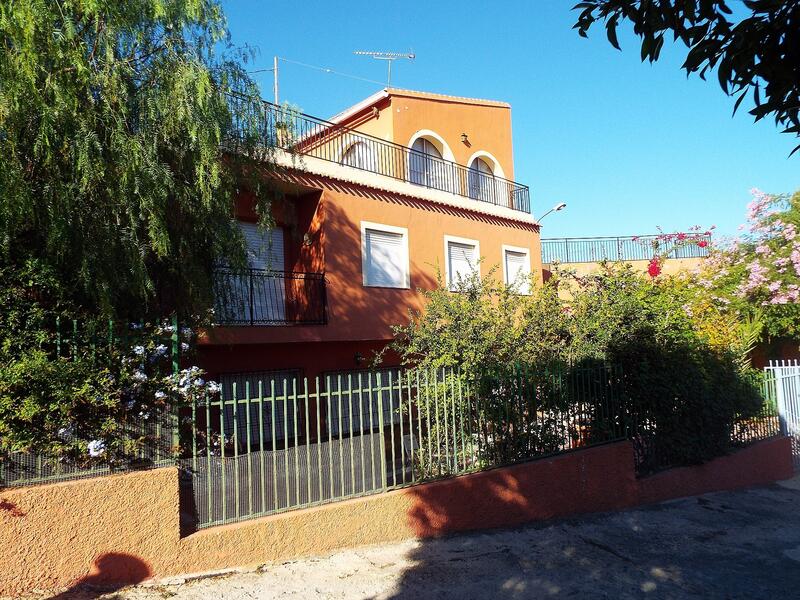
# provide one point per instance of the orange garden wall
(125, 528)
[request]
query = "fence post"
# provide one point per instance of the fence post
(380, 432)
(175, 351)
(780, 400)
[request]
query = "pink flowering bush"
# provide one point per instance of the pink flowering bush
(760, 271)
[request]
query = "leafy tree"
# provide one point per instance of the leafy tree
(758, 54)
(112, 119)
(82, 394)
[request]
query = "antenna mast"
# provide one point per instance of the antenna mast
(389, 57)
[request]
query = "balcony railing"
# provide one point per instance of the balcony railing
(302, 134)
(578, 250)
(259, 297)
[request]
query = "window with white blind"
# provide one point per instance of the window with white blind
(461, 260)
(384, 255)
(517, 268)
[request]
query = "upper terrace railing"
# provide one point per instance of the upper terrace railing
(284, 128)
(577, 250)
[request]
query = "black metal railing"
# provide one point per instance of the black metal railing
(644, 247)
(298, 133)
(261, 297)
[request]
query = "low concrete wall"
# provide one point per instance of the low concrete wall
(759, 464)
(124, 529)
(101, 530)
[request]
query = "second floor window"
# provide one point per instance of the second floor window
(384, 256)
(425, 164)
(360, 155)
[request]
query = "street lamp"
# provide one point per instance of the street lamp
(556, 208)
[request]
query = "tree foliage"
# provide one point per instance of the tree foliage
(112, 119)
(757, 55)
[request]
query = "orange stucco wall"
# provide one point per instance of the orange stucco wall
(359, 313)
(125, 528)
(321, 217)
(488, 126)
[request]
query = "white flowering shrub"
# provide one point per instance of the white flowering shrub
(85, 394)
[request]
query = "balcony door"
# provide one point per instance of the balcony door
(425, 165)
(264, 292)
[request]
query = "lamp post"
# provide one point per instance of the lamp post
(556, 208)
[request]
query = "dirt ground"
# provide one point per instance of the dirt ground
(743, 544)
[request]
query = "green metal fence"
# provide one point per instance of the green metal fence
(280, 445)
(275, 441)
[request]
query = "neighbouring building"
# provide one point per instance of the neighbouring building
(376, 202)
(584, 255)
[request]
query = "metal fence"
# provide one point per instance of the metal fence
(274, 441)
(261, 297)
(286, 444)
(282, 127)
(578, 250)
(782, 379)
(152, 442)
(665, 439)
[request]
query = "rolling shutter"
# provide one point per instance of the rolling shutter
(264, 247)
(462, 262)
(517, 270)
(265, 255)
(386, 261)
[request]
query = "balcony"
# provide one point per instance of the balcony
(300, 134)
(581, 250)
(260, 297)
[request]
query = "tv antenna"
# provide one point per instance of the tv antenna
(389, 57)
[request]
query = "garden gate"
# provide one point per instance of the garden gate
(784, 378)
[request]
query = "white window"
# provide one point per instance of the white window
(384, 255)
(461, 260)
(425, 164)
(517, 268)
(264, 247)
(257, 296)
(481, 181)
(360, 155)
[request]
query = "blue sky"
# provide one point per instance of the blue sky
(627, 145)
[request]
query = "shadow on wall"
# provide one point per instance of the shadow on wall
(111, 572)
(11, 508)
(359, 318)
(360, 311)
(477, 566)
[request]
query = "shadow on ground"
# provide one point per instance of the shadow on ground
(732, 545)
(111, 572)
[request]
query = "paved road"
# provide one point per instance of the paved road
(730, 545)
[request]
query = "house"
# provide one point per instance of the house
(375, 203)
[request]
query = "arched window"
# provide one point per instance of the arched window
(481, 180)
(425, 165)
(360, 155)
